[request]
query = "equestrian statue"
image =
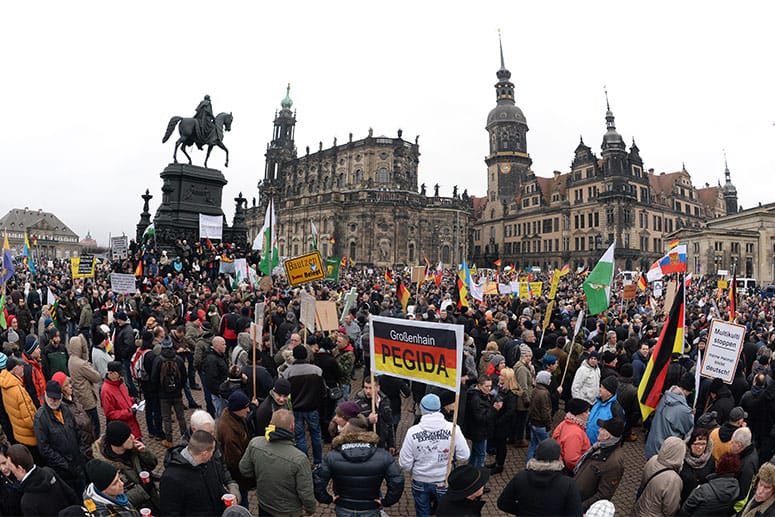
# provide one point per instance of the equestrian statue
(202, 129)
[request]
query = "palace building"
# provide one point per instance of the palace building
(48, 236)
(573, 215)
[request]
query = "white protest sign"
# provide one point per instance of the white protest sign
(210, 226)
(307, 316)
(725, 343)
(123, 283)
(119, 247)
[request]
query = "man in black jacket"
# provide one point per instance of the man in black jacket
(216, 370)
(58, 438)
(44, 492)
(383, 417)
(168, 376)
(125, 348)
(358, 466)
(307, 393)
(277, 399)
(480, 419)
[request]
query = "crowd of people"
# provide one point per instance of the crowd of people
(80, 364)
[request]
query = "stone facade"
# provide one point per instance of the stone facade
(54, 238)
(362, 197)
(571, 217)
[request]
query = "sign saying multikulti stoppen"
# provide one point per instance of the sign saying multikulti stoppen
(725, 342)
(428, 352)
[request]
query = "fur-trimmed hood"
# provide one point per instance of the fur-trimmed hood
(361, 436)
(356, 447)
(542, 466)
(543, 473)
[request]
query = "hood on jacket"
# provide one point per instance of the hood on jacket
(674, 399)
(39, 481)
(243, 340)
(672, 453)
(542, 473)
(95, 495)
(356, 447)
(726, 431)
(175, 457)
(168, 353)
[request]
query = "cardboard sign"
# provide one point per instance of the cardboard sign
(722, 284)
(307, 316)
(122, 283)
(428, 352)
(325, 315)
(629, 292)
(418, 274)
(305, 268)
(349, 302)
(725, 343)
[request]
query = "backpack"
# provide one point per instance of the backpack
(137, 366)
(170, 379)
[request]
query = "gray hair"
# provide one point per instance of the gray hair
(742, 436)
(201, 418)
(502, 325)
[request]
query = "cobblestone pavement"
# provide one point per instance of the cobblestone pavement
(515, 461)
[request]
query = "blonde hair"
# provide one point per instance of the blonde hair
(509, 379)
(491, 346)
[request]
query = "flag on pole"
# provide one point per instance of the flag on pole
(497, 263)
(139, 268)
(642, 282)
(388, 276)
(565, 270)
(597, 286)
(439, 274)
(652, 385)
(672, 244)
(403, 295)
(150, 231)
(315, 236)
(8, 268)
(270, 259)
(27, 253)
(674, 260)
(461, 288)
(733, 298)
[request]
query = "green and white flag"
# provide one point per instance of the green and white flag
(270, 259)
(314, 235)
(597, 286)
(150, 231)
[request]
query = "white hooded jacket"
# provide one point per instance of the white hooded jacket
(425, 450)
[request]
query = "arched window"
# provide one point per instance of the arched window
(410, 254)
(383, 176)
(352, 250)
(358, 175)
(445, 254)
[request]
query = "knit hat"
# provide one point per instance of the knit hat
(101, 474)
(348, 410)
(626, 370)
(30, 345)
(548, 360)
(525, 350)
(576, 406)
(235, 373)
(708, 420)
(121, 316)
(715, 385)
(12, 336)
(610, 384)
(548, 450)
(60, 377)
(615, 426)
(116, 366)
(767, 473)
(430, 403)
(47, 322)
(687, 382)
(166, 342)
(54, 390)
(3, 360)
(117, 432)
(12, 362)
(544, 377)
(282, 386)
(300, 352)
(737, 413)
(496, 359)
(608, 357)
(594, 355)
(238, 401)
(601, 508)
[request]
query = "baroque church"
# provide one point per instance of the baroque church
(362, 196)
(571, 217)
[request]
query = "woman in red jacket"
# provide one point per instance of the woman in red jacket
(115, 399)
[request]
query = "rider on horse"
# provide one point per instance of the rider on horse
(204, 115)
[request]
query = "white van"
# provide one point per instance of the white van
(747, 285)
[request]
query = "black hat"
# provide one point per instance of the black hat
(548, 450)
(626, 370)
(615, 426)
(101, 474)
(13, 362)
(465, 480)
(122, 316)
(577, 406)
(737, 413)
(282, 386)
(30, 345)
(611, 384)
(716, 385)
(299, 352)
(687, 382)
(54, 390)
(117, 432)
(238, 401)
(116, 366)
(608, 356)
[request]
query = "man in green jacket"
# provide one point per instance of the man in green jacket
(282, 472)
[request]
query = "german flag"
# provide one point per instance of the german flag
(733, 298)
(652, 385)
(461, 291)
(403, 294)
(497, 263)
(139, 268)
(388, 276)
(672, 244)
(565, 270)
(642, 282)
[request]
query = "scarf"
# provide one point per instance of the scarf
(611, 442)
(274, 434)
(698, 462)
(570, 417)
(752, 509)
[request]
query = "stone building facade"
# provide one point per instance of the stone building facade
(571, 217)
(363, 197)
(48, 235)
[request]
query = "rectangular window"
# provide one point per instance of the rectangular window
(591, 242)
(576, 243)
(581, 219)
(597, 219)
(576, 222)
(677, 206)
(589, 220)
(556, 224)
(507, 248)
(547, 226)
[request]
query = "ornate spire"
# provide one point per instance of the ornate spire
(727, 174)
(609, 116)
(611, 139)
(287, 102)
(503, 74)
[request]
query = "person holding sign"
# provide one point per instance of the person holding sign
(425, 453)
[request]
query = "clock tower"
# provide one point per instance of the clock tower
(508, 164)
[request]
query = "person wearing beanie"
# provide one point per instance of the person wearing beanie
(115, 399)
(231, 432)
(541, 488)
(279, 398)
(168, 375)
(627, 395)
(721, 400)
(606, 407)
(761, 501)
(586, 382)
(571, 433)
(718, 495)
(425, 453)
(525, 375)
(343, 413)
(661, 494)
(601, 468)
(672, 417)
(540, 412)
(124, 347)
(129, 456)
(497, 363)
(17, 402)
(34, 378)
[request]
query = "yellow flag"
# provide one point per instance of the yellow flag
(548, 317)
(5, 243)
(555, 283)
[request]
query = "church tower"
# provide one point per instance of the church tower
(508, 163)
(282, 147)
(729, 190)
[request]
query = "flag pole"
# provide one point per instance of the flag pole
(452, 437)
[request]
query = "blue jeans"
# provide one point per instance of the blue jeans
(312, 419)
(153, 414)
(423, 494)
(478, 453)
(208, 396)
(344, 512)
(220, 404)
(537, 435)
(346, 391)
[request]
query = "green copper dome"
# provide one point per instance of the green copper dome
(287, 102)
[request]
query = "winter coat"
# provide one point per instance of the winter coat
(661, 497)
(18, 404)
(124, 343)
(627, 396)
(586, 383)
(673, 417)
(129, 466)
(599, 474)
(385, 431)
(54, 360)
(541, 407)
(602, 411)
(749, 465)
(167, 354)
(306, 386)
(45, 493)
(59, 444)
(346, 359)
(117, 405)
(692, 476)
(34, 380)
(639, 363)
(357, 466)
(573, 441)
(259, 418)
(84, 377)
(539, 490)
(506, 417)
(459, 508)
(425, 450)
(723, 403)
(282, 473)
(215, 369)
(480, 416)
(186, 489)
(526, 380)
(231, 431)
(714, 498)
(100, 505)
(10, 496)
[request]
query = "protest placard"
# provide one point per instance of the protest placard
(725, 343)
(123, 283)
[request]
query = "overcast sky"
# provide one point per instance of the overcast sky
(88, 89)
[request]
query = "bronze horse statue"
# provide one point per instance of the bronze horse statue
(189, 135)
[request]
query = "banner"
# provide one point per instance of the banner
(307, 316)
(418, 274)
(725, 342)
(122, 283)
(226, 268)
(119, 246)
(428, 352)
(535, 288)
(629, 292)
(332, 268)
(240, 270)
(83, 266)
(210, 226)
